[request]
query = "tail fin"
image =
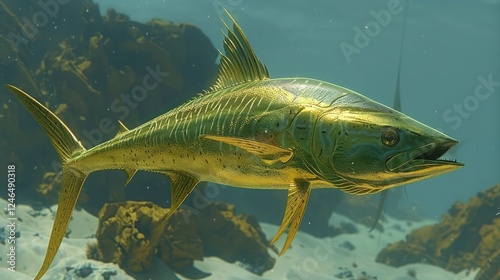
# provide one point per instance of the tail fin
(66, 146)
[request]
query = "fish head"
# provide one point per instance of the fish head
(373, 148)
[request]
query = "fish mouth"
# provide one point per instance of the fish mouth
(426, 157)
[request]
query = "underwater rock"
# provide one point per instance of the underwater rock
(91, 70)
(180, 244)
(491, 269)
(467, 237)
(233, 238)
(88, 271)
(348, 246)
(4, 235)
(130, 234)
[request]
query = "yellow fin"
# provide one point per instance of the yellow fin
(67, 146)
(130, 174)
(239, 64)
(61, 137)
(121, 128)
(298, 195)
(182, 185)
(72, 182)
(267, 153)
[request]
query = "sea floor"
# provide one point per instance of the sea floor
(348, 256)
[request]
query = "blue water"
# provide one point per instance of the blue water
(449, 47)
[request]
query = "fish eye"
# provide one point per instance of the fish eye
(390, 137)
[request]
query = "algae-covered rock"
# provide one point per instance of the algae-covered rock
(130, 233)
(180, 243)
(467, 237)
(491, 268)
(233, 238)
(92, 71)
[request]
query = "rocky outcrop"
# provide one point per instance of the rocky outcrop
(131, 233)
(91, 70)
(467, 237)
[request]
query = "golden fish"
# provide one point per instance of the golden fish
(251, 131)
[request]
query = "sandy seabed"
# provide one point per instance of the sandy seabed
(347, 256)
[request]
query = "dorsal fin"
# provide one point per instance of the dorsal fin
(239, 64)
(121, 128)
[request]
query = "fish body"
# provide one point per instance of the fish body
(251, 131)
(191, 138)
(185, 140)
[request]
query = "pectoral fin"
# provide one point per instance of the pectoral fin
(298, 195)
(182, 185)
(267, 153)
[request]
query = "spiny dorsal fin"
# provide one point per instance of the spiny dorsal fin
(239, 64)
(121, 128)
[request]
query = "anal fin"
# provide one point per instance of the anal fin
(182, 185)
(298, 195)
(130, 174)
